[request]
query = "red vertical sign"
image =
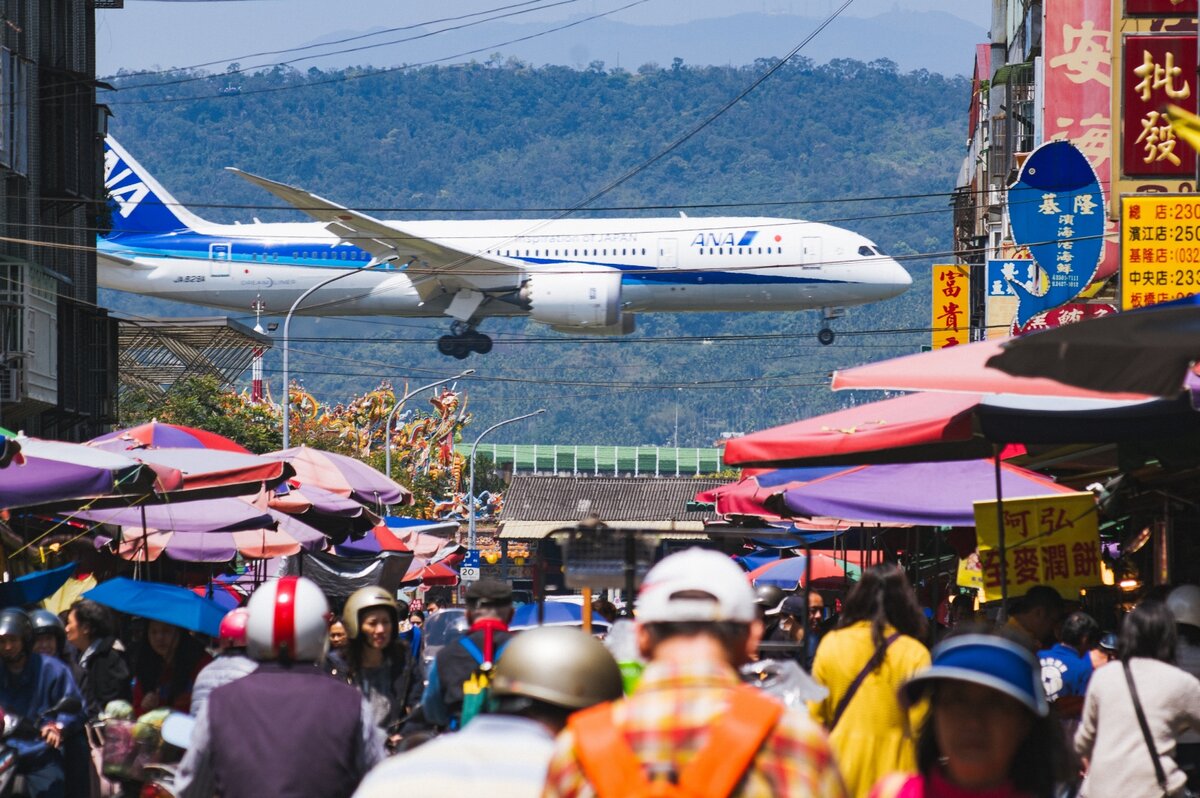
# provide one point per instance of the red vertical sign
(1157, 70)
(1078, 84)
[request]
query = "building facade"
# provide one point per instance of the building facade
(58, 349)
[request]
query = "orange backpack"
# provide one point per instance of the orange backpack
(614, 771)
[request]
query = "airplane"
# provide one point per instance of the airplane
(578, 276)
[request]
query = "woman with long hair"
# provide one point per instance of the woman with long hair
(377, 661)
(1136, 710)
(988, 732)
(875, 649)
(165, 668)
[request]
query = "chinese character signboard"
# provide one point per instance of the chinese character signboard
(1077, 102)
(1158, 70)
(1057, 210)
(1160, 8)
(1001, 274)
(1048, 540)
(951, 305)
(1160, 249)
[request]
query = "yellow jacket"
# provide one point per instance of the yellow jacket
(875, 736)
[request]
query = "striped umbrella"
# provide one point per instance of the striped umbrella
(157, 435)
(789, 573)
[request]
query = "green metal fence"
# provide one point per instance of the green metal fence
(662, 461)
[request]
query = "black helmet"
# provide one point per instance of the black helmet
(768, 597)
(14, 621)
(46, 622)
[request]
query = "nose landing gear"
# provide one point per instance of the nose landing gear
(462, 341)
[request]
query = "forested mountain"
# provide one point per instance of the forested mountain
(860, 145)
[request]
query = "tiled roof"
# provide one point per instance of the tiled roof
(571, 499)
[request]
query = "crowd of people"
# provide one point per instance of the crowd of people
(293, 701)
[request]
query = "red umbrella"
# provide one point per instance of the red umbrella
(210, 469)
(959, 369)
(927, 427)
(157, 435)
(432, 574)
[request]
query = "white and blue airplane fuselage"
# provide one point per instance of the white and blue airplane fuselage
(584, 276)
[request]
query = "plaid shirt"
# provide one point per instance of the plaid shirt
(666, 722)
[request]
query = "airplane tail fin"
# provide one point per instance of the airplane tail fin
(138, 203)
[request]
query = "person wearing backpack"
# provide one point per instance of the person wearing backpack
(457, 680)
(875, 649)
(692, 728)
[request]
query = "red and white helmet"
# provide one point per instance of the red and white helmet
(233, 628)
(288, 620)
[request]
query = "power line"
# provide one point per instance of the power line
(384, 71)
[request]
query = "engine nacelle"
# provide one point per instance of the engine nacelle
(625, 326)
(574, 300)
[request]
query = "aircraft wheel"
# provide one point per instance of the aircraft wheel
(825, 336)
(478, 342)
(447, 345)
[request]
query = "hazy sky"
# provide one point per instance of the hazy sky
(147, 34)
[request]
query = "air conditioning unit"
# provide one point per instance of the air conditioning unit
(11, 388)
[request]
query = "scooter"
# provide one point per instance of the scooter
(16, 727)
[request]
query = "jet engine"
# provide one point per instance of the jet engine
(574, 300)
(625, 326)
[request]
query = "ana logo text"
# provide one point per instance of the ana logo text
(724, 239)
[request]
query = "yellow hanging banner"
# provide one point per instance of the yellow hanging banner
(1048, 540)
(951, 305)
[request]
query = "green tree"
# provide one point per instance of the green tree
(202, 402)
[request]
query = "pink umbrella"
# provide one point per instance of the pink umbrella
(957, 369)
(342, 475)
(217, 470)
(290, 537)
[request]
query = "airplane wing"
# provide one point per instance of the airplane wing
(442, 269)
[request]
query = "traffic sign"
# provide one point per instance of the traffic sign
(471, 559)
(469, 573)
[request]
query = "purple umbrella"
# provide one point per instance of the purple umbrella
(342, 475)
(205, 515)
(54, 471)
(284, 536)
(926, 494)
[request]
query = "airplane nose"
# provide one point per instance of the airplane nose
(900, 275)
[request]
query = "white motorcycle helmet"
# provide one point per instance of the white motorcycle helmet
(289, 620)
(1184, 604)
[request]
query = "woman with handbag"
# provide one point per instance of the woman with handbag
(1134, 714)
(875, 649)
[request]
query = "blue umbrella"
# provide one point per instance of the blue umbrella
(558, 613)
(177, 606)
(32, 588)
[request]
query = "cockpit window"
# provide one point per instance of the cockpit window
(879, 251)
(866, 251)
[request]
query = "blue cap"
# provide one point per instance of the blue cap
(989, 661)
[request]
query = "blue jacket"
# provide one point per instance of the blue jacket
(42, 683)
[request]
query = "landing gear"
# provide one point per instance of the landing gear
(825, 336)
(462, 341)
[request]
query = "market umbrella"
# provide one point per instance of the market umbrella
(258, 544)
(945, 426)
(556, 613)
(223, 595)
(416, 535)
(922, 494)
(433, 574)
(177, 606)
(342, 475)
(1151, 350)
(205, 515)
(215, 471)
(54, 471)
(157, 435)
(747, 495)
(959, 369)
(790, 572)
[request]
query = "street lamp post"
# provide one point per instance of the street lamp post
(387, 441)
(287, 325)
(471, 488)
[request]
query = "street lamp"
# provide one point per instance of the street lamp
(471, 489)
(287, 325)
(387, 441)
